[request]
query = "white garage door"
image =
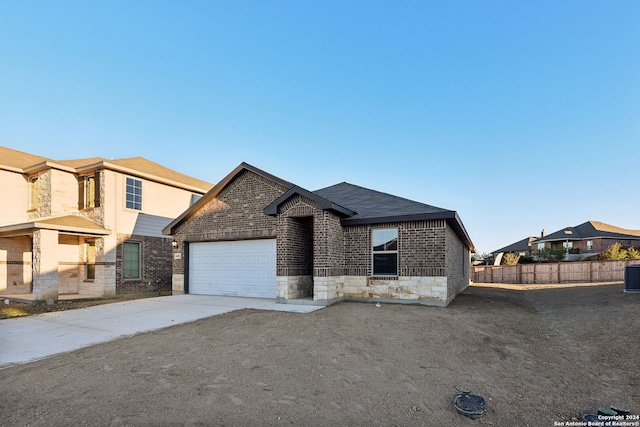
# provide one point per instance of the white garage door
(238, 268)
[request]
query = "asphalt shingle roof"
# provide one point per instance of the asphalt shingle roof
(589, 230)
(369, 203)
(519, 246)
(19, 159)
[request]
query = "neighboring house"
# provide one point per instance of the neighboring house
(522, 247)
(257, 235)
(587, 239)
(87, 226)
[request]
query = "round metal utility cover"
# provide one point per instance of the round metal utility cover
(470, 405)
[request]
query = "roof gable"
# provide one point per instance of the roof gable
(213, 193)
(321, 202)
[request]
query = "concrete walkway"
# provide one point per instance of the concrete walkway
(35, 337)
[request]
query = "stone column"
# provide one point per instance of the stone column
(45, 265)
(105, 281)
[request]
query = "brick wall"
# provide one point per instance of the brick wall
(421, 248)
(236, 213)
(458, 265)
(601, 245)
(155, 264)
(295, 234)
(328, 245)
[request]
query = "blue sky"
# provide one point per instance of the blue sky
(518, 115)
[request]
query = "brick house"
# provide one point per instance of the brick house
(587, 239)
(254, 234)
(86, 226)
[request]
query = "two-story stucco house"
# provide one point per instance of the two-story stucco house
(87, 226)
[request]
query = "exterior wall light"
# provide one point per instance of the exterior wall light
(174, 244)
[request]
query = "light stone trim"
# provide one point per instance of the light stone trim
(177, 286)
(293, 287)
(418, 289)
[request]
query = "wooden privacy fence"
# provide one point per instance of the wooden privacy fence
(559, 272)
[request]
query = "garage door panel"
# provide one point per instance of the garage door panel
(237, 268)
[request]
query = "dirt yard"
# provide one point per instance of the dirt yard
(538, 357)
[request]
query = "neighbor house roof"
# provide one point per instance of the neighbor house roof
(78, 163)
(15, 159)
(18, 161)
(591, 230)
(141, 164)
(519, 246)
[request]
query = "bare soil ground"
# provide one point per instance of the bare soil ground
(538, 357)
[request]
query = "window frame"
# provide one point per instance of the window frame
(589, 245)
(34, 191)
(90, 270)
(135, 205)
(89, 192)
(124, 260)
(386, 251)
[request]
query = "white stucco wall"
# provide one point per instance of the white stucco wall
(64, 192)
(14, 197)
(157, 199)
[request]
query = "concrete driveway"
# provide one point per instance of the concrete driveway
(35, 337)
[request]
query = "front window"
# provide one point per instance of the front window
(589, 245)
(35, 188)
(567, 245)
(131, 255)
(134, 194)
(90, 192)
(91, 260)
(385, 251)
(540, 246)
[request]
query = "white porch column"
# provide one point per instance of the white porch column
(45, 265)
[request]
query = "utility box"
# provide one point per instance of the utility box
(632, 278)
